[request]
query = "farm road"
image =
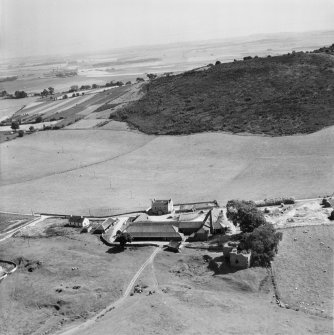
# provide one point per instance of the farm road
(77, 329)
(10, 233)
(80, 167)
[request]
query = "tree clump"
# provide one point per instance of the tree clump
(263, 242)
(123, 238)
(245, 214)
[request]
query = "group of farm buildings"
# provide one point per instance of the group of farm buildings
(164, 221)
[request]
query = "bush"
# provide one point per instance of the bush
(21, 133)
(245, 214)
(263, 242)
(38, 119)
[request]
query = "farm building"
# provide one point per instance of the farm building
(78, 221)
(240, 260)
(156, 231)
(190, 223)
(200, 235)
(143, 217)
(160, 207)
(174, 246)
(101, 228)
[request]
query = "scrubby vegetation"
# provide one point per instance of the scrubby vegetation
(281, 95)
(246, 214)
(257, 235)
(263, 242)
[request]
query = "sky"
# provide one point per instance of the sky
(37, 27)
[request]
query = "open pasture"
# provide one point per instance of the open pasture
(103, 172)
(304, 269)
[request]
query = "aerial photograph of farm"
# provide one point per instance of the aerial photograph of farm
(166, 167)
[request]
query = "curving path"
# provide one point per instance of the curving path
(79, 328)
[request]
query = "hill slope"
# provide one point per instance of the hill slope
(280, 95)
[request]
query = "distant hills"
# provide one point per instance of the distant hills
(281, 95)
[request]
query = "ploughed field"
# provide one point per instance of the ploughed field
(282, 95)
(104, 172)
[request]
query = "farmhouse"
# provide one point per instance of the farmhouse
(156, 231)
(101, 228)
(78, 221)
(160, 207)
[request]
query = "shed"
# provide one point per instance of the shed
(101, 228)
(190, 227)
(78, 221)
(156, 231)
(174, 246)
(201, 235)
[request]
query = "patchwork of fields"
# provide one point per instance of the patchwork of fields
(106, 171)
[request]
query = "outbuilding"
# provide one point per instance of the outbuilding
(153, 231)
(102, 227)
(78, 221)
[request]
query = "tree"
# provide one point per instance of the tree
(38, 119)
(244, 213)
(32, 129)
(123, 238)
(3, 93)
(138, 80)
(74, 88)
(20, 94)
(21, 133)
(151, 76)
(263, 242)
(217, 62)
(51, 90)
(128, 83)
(95, 86)
(44, 93)
(65, 96)
(15, 125)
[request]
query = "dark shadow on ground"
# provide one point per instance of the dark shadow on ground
(220, 265)
(115, 250)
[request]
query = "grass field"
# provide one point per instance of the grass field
(189, 299)
(64, 278)
(106, 171)
(11, 221)
(304, 269)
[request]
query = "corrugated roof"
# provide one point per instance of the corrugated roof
(105, 224)
(190, 224)
(190, 217)
(152, 229)
(142, 218)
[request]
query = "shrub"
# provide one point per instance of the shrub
(21, 133)
(218, 62)
(245, 214)
(263, 242)
(38, 119)
(123, 238)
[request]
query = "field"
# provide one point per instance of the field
(10, 221)
(64, 278)
(106, 171)
(281, 95)
(188, 298)
(304, 269)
